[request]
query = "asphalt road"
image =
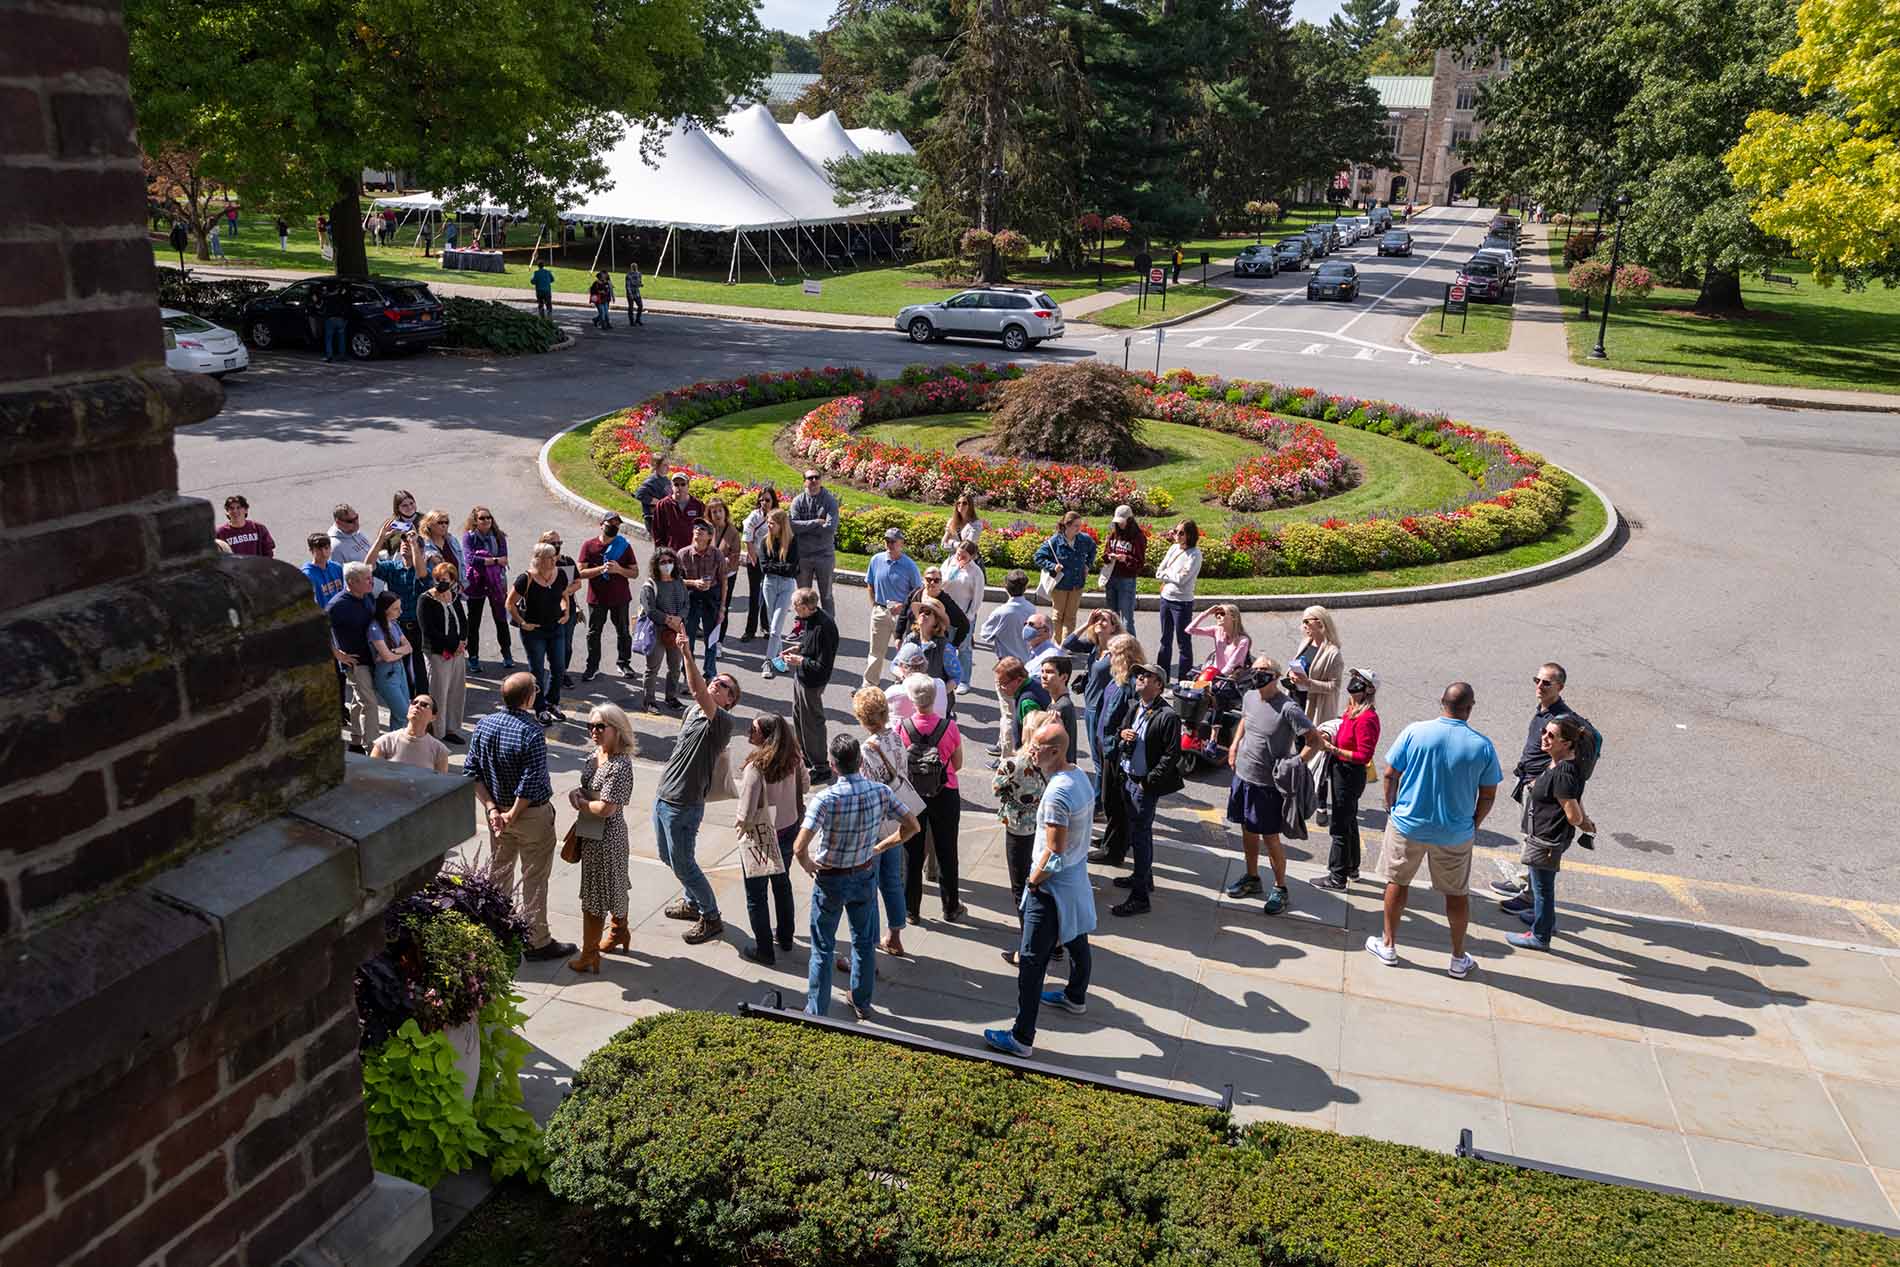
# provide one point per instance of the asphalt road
(1736, 652)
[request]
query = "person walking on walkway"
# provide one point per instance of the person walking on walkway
(837, 845)
(1149, 749)
(676, 513)
(1070, 554)
(891, 578)
(1125, 655)
(607, 564)
(445, 641)
(636, 306)
(1058, 904)
(815, 522)
(1018, 784)
(543, 280)
(1003, 627)
(662, 598)
(731, 547)
(1020, 695)
(884, 761)
(963, 582)
(1126, 553)
(1315, 668)
(680, 800)
(933, 753)
(485, 580)
(1180, 567)
(1091, 643)
(774, 780)
(1553, 814)
(814, 652)
(1354, 744)
(508, 760)
(601, 295)
(600, 831)
(1441, 779)
(350, 616)
(1272, 728)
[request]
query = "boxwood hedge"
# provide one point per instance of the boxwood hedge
(704, 1138)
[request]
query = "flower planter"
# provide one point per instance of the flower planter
(466, 1039)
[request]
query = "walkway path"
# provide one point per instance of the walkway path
(1539, 346)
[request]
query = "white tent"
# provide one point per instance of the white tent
(693, 185)
(822, 140)
(878, 141)
(477, 204)
(756, 144)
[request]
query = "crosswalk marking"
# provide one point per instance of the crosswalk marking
(1250, 345)
(1363, 354)
(1202, 341)
(1313, 349)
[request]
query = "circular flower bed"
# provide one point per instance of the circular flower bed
(1514, 499)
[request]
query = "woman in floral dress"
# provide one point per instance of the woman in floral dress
(606, 787)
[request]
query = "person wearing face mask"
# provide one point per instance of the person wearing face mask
(1353, 745)
(663, 595)
(445, 642)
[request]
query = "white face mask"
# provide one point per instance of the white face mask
(666, 569)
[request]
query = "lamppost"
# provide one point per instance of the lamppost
(1622, 205)
(996, 216)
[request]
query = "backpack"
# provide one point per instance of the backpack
(922, 762)
(1590, 750)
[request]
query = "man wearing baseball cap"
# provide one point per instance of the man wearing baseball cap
(674, 517)
(892, 578)
(607, 565)
(1149, 751)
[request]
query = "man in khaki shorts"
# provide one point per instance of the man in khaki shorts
(1440, 780)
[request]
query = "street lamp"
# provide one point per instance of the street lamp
(1622, 205)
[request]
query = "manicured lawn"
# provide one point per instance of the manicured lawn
(1131, 314)
(1399, 476)
(1804, 337)
(1487, 330)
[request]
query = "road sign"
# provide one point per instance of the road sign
(814, 288)
(1156, 276)
(1455, 302)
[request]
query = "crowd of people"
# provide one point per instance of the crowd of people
(1093, 732)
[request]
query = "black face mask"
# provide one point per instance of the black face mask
(610, 531)
(441, 587)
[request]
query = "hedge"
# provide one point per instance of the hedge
(713, 1139)
(496, 327)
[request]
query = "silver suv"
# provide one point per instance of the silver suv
(1019, 316)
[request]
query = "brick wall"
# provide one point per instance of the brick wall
(160, 698)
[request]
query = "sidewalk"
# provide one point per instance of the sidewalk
(1539, 347)
(1728, 1062)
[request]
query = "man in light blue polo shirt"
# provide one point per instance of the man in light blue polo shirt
(1440, 780)
(892, 578)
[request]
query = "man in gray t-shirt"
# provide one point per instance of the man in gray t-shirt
(1272, 728)
(814, 516)
(680, 801)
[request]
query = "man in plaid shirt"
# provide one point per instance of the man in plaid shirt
(838, 846)
(508, 760)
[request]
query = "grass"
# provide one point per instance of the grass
(1487, 329)
(1805, 337)
(1399, 476)
(1130, 314)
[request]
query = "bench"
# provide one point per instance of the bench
(1780, 279)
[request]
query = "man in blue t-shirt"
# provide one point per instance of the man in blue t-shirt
(892, 578)
(1440, 780)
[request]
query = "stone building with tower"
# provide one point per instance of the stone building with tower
(1429, 118)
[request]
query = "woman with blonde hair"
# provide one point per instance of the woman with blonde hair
(538, 603)
(1315, 667)
(773, 778)
(778, 562)
(884, 761)
(600, 830)
(964, 524)
(1119, 697)
(731, 547)
(1233, 649)
(485, 580)
(439, 545)
(1018, 784)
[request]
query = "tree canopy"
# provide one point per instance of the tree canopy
(1360, 23)
(291, 100)
(1827, 178)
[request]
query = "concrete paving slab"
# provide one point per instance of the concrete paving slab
(1283, 950)
(1889, 1181)
(1409, 1044)
(1830, 974)
(1245, 1014)
(1611, 1148)
(1708, 958)
(1553, 990)
(1756, 1104)
(1743, 1026)
(1814, 1184)
(1419, 980)
(1423, 1116)
(1872, 1113)
(1582, 1074)
(563, 1034)
(1853, 1041)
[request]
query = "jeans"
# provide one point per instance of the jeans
(636, 309)
(1017, 851)
(756, 610)
(601, 317)
(967, 662)
(760, 913)
(891, 866)
(417, 663)
(597, 617)
(1543, 902)
(392, 687)
(853, 896)
(1121, 598)
(940, 819)
(778, 606)
(1089, 714)
(544, 303)
(676, 832)
(1115, 833)
(1041, 929)
(1141, 837)
(1176, 616)
(1349, 781)
(544, 649)
(702, 617)
(817, 571)
(335, 331)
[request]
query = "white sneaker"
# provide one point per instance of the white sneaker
(1387, 955)
(1461, 966)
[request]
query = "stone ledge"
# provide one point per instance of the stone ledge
(384, 1226)
(400, 817)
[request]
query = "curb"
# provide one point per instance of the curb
(1503, 582)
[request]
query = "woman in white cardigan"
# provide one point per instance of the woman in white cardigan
(1180, 567)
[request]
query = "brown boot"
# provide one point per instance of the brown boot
(589, 958)
(617, 936)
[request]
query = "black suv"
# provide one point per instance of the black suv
(387, 313)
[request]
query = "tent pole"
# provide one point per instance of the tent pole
(823, 256)
(657, 264)
(732, 268)
(595, 266)
(612, 265)
(755, 255)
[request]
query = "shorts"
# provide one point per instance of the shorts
(1255, 806)
(1399, 857)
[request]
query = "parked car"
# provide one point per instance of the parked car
(1482, 279)
(1395, 242)
(1293, 253)
(1320, 236)
(1019, 316)
(387, 314)
(1504, 246)
(1503, 224)
(1381, 218)
(1259, 260)
(1335, 279)
(199, 347)
(1503, 259)
(1359, 227)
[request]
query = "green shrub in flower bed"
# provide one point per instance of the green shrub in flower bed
(496, 327)
(700, 1138)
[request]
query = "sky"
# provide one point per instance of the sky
(801, 16)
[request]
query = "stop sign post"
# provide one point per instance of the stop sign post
(1455, 301)
(1158, 278)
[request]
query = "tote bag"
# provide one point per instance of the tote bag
(759, 854)
(1046, 585)
(643, 636)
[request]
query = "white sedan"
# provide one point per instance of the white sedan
(196, 346)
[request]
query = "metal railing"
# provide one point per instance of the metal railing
(772, 1008)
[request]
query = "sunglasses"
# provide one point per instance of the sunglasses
(1544, 681)
(597, 725)
(478, 518)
